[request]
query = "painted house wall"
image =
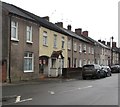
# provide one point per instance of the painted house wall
(47, 50)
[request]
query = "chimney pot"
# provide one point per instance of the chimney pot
(46, 18)
(85, 33)
(99, 40)
(108, 44)
(78, 31)
(69, 27)
(103, 42)
(60, 24)
(113, 44)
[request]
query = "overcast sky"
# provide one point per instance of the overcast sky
(99, 17)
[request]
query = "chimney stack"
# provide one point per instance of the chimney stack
(113, 44)
(60, 24)
(46, 18)
(69, 27)
(103, 42)
(108, 44)
(78, 31)
(99, 40)
(85, 33)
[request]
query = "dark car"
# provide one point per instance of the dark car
(115, 68)
(107, 70)
(92, 70)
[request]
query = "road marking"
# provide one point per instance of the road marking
(85, 87)
(18, 99)
(29, 99)
(52, 92)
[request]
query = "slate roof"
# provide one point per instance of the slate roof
(104, 46)
(42, 21)
(15, 11)
(73, 34)
(21, 12)
(52, 26)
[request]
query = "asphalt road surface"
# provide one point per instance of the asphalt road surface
(74, 92)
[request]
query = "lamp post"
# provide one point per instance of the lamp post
(112, 51)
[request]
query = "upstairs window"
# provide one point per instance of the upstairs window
(55, 41)
(92, 50)
(75, 46)
(14, 30)
(69, 44)
(84, 48)
(29, 34)
(45, 38)
(80, 48)
(89, 50)
(63, 42)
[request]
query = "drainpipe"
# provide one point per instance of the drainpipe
(72, 52)
(9, 52)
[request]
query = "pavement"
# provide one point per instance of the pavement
(40, 80)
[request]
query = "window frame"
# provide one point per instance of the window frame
(75, 46)
(69, 44)
(45, 39)
(16, 30)
(63, 42)
(29, 35)
(55, 41)
(28, 57)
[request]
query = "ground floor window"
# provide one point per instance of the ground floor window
(53, 63)
(28, 62)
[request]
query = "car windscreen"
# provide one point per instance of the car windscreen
(88, 66)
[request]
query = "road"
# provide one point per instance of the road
(76, 92)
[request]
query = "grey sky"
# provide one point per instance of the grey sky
(99, 17)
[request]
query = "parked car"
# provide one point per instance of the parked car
(115, 68)
(92, 70)
(107, 70)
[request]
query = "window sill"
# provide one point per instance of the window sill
(29, 42)
(16, 40)
(28, 71)
(55, 47)
(45, 45)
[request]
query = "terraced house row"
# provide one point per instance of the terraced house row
(33, 46)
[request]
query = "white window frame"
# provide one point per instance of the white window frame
(29, 57)
(75, 46)
(63, 43)
(29, 34)
(45, 39)
(14, 25)
(89, 49)
(80, 48)
(84, 48)
(92, 50)
(69, 44)
(55, 41)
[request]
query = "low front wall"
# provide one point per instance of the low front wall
(72, 73)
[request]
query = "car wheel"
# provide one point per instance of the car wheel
(84, 78)
(105, 74)
(98, 75)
